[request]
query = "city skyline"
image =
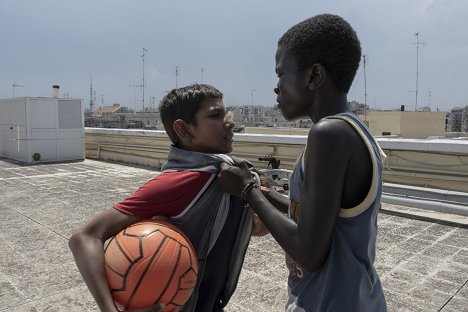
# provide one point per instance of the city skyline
(229, 45)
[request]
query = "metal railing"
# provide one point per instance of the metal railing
(421, 168)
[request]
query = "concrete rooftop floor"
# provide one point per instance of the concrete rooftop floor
(422, 260)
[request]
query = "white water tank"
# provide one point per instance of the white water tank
(39, 129)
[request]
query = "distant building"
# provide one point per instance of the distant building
(424, 109)
(115, 108)
(398, 122)
(236, 116)
(414, 125)
(464, 122)
(117, 116)
(260, 116)
(457, 121)
(358, 108)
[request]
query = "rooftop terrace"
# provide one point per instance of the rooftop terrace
(422, 257)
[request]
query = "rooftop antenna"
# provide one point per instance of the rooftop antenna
(176, 76)
(417, 69)
(252, 95)
(429, 99)
(143, 84)
(365, 89)
(13, 86)
(91, 101)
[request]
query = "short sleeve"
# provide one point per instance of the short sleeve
(167, 194)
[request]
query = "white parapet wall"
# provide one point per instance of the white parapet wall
(439, 163)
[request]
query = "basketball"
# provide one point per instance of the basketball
(150, 262)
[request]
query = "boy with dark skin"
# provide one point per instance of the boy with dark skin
(330, 230)
(196, 122)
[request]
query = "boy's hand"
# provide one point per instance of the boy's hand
(237, 161)
(264, 182)
(233, 179)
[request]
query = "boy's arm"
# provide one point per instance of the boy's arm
(87, 246)
(308, 241)
(155, 197)
(277, 199)
(258, 228)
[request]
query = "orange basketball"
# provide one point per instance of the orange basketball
(150, 262)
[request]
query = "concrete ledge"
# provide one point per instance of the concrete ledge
(426, 215)
(441, 163)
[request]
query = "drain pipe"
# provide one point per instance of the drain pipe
(426, 204)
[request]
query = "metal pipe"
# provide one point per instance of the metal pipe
(426, 204)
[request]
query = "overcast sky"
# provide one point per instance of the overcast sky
(230, 44)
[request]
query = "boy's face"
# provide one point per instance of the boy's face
(293, 95)
(213, 132)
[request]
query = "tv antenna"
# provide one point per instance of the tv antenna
(429, 98)
(417, 43)
(91, 101)
(365, 88)
(177, 77)
(143, 83)
(252, 95)
(13, 86)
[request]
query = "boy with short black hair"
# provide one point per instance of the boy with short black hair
(330, 231)
(188, 195)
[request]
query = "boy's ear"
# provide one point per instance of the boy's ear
(315, 75)
(181, 129)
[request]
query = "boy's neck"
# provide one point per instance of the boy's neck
(328, 105)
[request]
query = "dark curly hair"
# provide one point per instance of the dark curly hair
(328, 40)
(183, 103)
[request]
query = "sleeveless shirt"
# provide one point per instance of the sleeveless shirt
(347, 280)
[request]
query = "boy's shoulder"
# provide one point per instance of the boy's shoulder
(168, 194)
(180, 174)
(339, 140)
(182, 180)
(331, 130)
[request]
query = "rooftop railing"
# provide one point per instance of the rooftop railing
(435, 170)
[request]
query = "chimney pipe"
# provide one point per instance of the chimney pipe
(55, 91)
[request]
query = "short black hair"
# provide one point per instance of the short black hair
(328, 40)
(183, 103)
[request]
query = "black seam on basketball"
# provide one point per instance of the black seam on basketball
(146, 270)
(186, 272)
(172, 274)
(123, 251)
(105, 263)
(119, 274)
(182, 276)
(132, 263)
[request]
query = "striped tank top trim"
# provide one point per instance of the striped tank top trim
(369, 199)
